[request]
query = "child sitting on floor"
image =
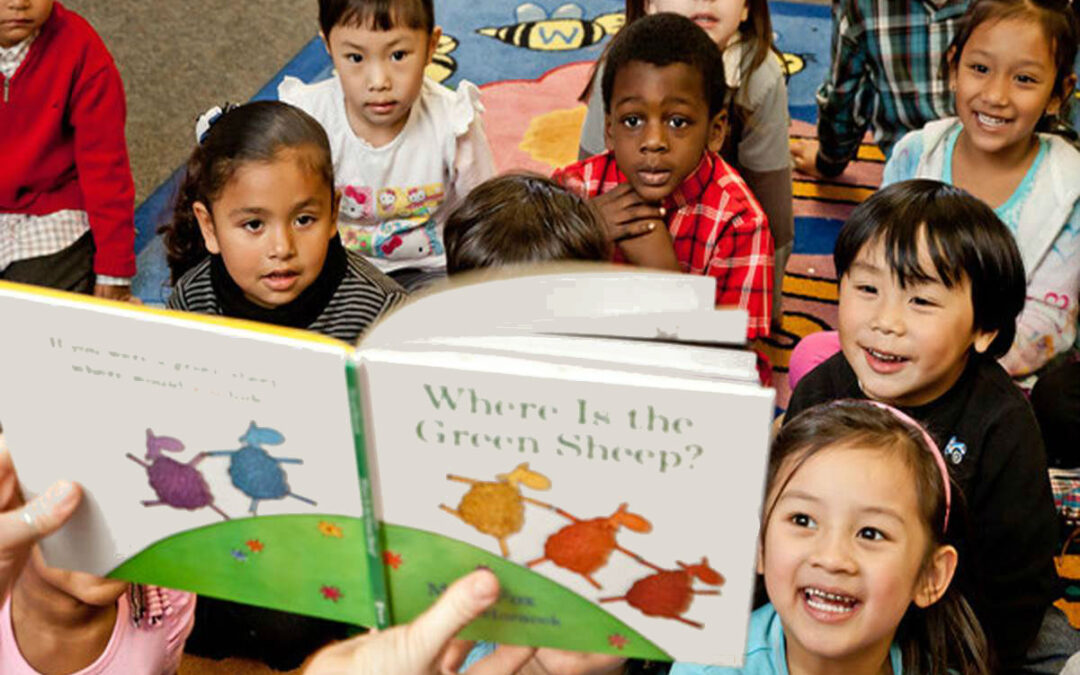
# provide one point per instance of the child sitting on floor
(404, 146)
(67, 199)
(931, 283)
(663, 92)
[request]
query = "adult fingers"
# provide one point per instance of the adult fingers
(462, 602)
(39, 518)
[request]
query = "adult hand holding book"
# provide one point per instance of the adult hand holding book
(21, 525)
(427, 644)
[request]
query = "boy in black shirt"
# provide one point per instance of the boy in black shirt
(931, 283)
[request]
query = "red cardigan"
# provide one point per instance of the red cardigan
(62, 120)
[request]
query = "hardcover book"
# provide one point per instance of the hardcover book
(597, 438)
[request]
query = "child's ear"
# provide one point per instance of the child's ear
(436, 33)
(206, 226)
(1054, 105)
(952, 68)
(759, 558)
(983, 340)
(936, 577)
(718, 131)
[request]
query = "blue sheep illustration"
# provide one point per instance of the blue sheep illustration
(255, 472)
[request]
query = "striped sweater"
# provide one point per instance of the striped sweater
(363, 295)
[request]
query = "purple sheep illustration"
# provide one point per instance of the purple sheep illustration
(180, 486)
(255, 472)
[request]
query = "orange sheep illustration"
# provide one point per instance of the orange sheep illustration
(497, 507)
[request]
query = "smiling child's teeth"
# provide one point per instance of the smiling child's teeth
(990, 121)
(881, 356)
(829, 602)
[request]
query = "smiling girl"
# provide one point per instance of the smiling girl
(1010, 68)
(853, 553)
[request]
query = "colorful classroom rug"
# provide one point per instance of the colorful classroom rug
(531, 61)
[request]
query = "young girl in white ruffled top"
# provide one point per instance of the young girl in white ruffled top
(403, 145)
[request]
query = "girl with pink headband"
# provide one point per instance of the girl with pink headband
(853, 553)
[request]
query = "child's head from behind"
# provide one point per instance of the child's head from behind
(927, 274)
(380, 49)
(522, 218)
(259, 191)
(19, 19)
(1011, 69)
(852, 542)
(664, 92)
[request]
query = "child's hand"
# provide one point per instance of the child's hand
(626, 215)
(804, 155)
(426, 646)
(115, 292)
(558, 662)
(21, 527)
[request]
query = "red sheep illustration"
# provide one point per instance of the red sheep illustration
(668, 593)
(584, 546)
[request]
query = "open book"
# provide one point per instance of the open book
(581, 433)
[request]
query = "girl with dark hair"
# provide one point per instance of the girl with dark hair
(854, 555)
(755, 141)
(1011, 73)
(254, 233)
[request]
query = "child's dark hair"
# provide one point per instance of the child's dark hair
(1058, 21)
(376, 14)
(964, 238)
(661, 40)
(522, 218)
(946, 635)
(254, 132)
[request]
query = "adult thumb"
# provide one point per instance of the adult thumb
(463, 601)
(42, 516)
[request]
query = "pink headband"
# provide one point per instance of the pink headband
(938, 459)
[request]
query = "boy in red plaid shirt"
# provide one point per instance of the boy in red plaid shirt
(664, 90)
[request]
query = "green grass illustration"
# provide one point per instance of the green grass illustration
(315, 564)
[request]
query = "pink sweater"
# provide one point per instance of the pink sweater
(132, 650)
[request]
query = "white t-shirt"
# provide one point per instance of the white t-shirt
(394, 198)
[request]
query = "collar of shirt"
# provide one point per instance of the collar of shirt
(12, 57)
(694, 185)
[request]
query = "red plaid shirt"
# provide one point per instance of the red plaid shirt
(716, 224)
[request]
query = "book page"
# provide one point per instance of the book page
(618, 509)
(180, 427)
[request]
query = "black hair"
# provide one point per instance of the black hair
(1059, 24)
(662, 40)
(965, 238)
(254, 132)
(522, 218)
(376, 14)
(945, 636)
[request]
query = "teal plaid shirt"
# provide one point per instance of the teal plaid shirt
(886, 73)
